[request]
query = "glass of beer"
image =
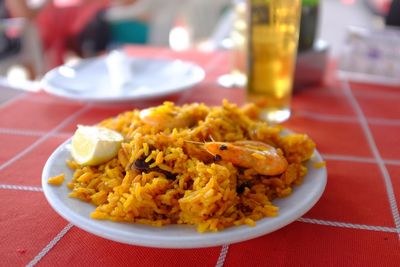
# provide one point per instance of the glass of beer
(273, 32)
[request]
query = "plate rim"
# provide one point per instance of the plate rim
(49, 88)
(229, 235)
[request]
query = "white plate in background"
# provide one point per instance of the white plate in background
(117, 77)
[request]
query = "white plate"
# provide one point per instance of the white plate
(176, 236)
(121, 78)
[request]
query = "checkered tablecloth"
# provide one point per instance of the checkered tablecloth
(355, 223)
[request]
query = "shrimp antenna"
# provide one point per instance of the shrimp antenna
(212, 139)
(194, 142)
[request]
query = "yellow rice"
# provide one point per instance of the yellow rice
(56, 180)
(211, 195)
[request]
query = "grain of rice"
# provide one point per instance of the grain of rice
(56, 180)
(319, 165)
(159, 158)
(146, 149)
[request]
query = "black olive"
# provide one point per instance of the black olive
(142, 165)
(240, 188)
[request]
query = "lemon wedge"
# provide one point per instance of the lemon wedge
(93, 145)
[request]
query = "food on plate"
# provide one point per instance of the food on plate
(212, 167)
(263, 158)
(318, 165)
(56, 180)
(92, 145)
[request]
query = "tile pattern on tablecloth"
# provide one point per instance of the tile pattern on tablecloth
(28, 115)
(301, 244)
(387, 140)
(337, 142)
(126, 256)
(27, 170)
(353, 194)
(20, 243)
(385, 107)
(12, 149)
(394, 171)
(317, 100)
(354, 221)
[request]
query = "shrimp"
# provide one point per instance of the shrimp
(163, 118)
(170, 116)
(263, 158)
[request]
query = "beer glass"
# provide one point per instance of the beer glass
(273, 32)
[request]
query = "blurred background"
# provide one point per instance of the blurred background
(37, 35)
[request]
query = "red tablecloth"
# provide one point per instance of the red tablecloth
(355, 223)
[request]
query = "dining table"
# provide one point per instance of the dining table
(356, 221)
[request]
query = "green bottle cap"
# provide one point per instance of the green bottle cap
(310, 2)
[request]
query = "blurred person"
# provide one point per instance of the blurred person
(74, 25)
(393, 16)
(200, 17)
(158, 14)
(9, 44)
